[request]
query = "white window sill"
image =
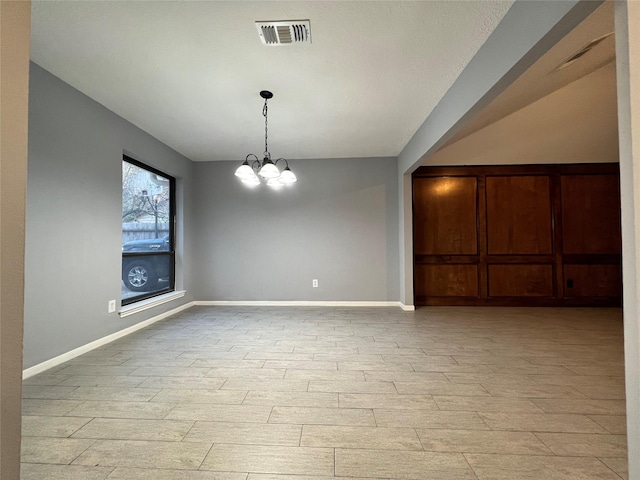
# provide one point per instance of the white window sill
(150, 303)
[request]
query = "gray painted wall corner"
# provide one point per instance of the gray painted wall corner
(73, 239)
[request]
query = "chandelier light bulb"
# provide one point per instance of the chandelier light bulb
(269, 170)
(245, 171)
(287, 177)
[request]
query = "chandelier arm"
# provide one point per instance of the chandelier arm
(284, 160)
(255, 163)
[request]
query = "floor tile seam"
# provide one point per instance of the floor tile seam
(608, 430)
(604, 463)
(553, 455)
(550, 447)
(605, 434)
(60, 437)
(186, 434)
(475, 474)
(243, 398)
(145, 440)
(83, 451)
(81, 426)
(395, 387)
(175, 405)
(70, 465)
(530, 397)
(544, 412)
(415, 431)
(367, 448)
(270, 414)
(56, 416)
(419, 452)
(546, 431)
(204, 457)
(68, 414)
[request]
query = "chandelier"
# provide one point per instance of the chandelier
(250, 173)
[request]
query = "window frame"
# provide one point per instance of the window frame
(171, 253)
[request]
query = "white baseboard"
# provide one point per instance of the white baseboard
(295, 303)
(65, 357)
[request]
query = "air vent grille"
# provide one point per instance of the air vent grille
(284, 33)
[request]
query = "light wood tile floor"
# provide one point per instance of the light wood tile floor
(245, 393)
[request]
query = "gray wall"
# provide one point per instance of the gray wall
(73, 231)
(338, 224)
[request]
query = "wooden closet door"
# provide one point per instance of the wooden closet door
(445, 216)
(591, 236)
(591, 214)
(534, 235)
(519, 215)
(519, 224)
(446, 236)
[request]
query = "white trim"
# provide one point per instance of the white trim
(407, 308)
(41, 367)
(150, 303)
(295, 303)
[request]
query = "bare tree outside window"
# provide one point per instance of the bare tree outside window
(145, 201)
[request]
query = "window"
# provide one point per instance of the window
(148, 240)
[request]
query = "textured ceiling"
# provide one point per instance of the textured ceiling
(189, 73)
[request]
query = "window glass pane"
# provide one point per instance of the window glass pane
(145, 274)
(147, 206)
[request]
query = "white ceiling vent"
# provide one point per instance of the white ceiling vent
(290, 32)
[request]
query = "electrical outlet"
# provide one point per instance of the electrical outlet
(314, 283)
(112, 306)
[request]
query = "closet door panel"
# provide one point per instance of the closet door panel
(445, 210)
(519, 215)
(447, 280)
(591, 214)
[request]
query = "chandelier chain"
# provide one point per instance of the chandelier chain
(264, 112)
